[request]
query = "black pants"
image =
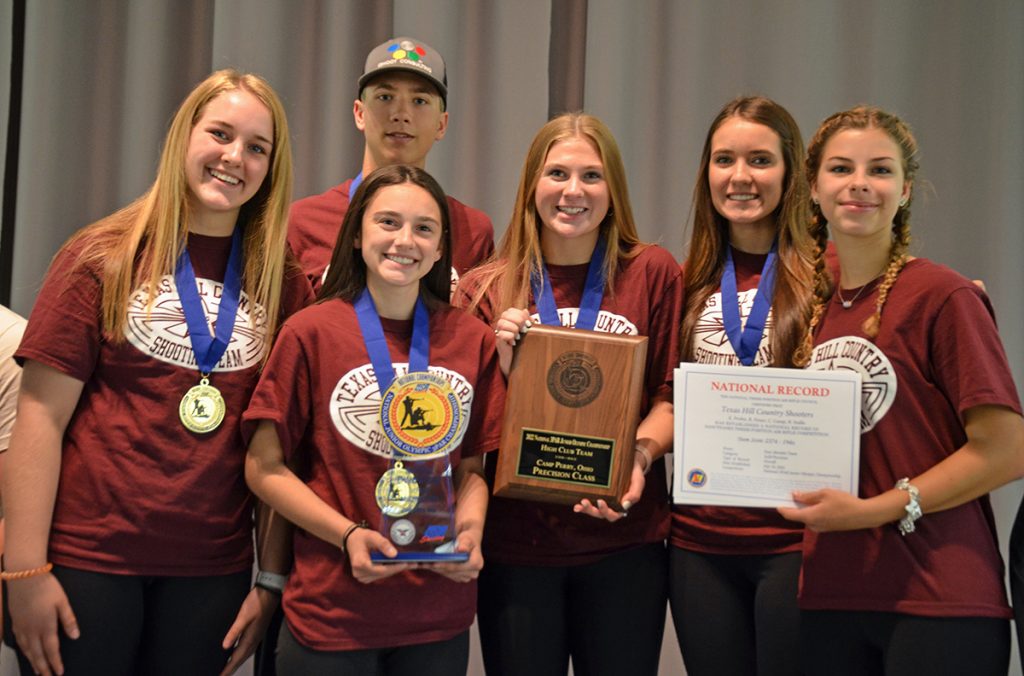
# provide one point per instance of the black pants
(841, 643)
(1017, 578)
(439, 658)
(608, 616)
(736, 615)
(147, 626)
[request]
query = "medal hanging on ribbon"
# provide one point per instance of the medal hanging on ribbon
(746, 341)
(202, 408)
(590, 302)
(422, 419)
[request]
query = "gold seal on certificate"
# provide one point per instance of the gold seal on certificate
(397, 492)
(571, 414)
(202, 408)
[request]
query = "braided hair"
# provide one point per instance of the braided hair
(861, 117)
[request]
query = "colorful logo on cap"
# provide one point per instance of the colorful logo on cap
(407, 50)
(697, 478)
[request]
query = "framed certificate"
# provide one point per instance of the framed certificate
(748, 437)
(571, 414)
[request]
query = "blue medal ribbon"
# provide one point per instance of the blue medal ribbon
(209, 349)
(356, 182)
(590, 302)
(377, 346)
(745, 342)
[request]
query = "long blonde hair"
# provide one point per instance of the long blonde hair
(519, 254)
(140, 243)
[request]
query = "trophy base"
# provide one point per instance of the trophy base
(421, 557)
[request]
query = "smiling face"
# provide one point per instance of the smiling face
(572, 199)
(400, 115)
(860, 183)
(400, 240)
(746, 174)
(227, 159)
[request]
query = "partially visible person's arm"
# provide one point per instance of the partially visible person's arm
(37, 603)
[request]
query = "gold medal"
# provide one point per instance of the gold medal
(202, 408)
(421, 416)
(397, 491)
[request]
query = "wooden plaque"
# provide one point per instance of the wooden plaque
(571, 413)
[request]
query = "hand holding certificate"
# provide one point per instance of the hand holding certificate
(749, 437)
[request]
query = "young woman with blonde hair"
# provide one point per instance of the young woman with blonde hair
(560, 584)
(129, 522)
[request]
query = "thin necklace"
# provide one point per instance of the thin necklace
(847, 304)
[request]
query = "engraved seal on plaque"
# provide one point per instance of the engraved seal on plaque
(574, 379)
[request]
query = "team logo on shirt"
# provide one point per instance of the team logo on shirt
(355, 407)
(574, 379)
(710, 342)
(607, 322)
(878, 379)
(163, 334)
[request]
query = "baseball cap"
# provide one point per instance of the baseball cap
(409, 55)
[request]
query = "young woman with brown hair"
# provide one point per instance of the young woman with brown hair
(748, 279)
(900, 578)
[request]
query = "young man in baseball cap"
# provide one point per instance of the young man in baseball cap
(402, 111)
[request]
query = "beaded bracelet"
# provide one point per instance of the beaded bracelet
(22, 574)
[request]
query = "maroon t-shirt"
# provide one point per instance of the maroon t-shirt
(315, 221)
(937, 355)
(647, 300)
(139, 494)
(733, 530)
(320, 391)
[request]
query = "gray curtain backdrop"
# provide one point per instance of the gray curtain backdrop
(102, 78)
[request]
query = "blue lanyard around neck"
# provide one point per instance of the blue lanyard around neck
(590, 302)
(356, 182)
(208, 349)
(377, 346)
(745, 342)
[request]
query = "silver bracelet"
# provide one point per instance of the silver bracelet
(913, 508)
(272, 582)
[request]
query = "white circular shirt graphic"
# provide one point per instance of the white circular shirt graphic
(607, 322)
(710, 341)
(355, 406)
(161, 331)
(878, 379)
